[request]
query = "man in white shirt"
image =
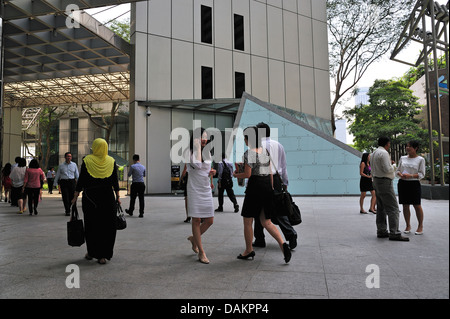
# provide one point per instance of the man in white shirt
(66, 177)
(278, 156)
(383, 174)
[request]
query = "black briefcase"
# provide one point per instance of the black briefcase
(75, 229)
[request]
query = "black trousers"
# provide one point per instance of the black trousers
(33, 197)
(282, 221)
(67, 190)
(137, 189)
(50, 185)
(230, 194)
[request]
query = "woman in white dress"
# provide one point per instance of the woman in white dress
(200, 204)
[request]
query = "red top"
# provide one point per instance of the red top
(33, 178)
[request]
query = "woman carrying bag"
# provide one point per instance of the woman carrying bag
(98, 180)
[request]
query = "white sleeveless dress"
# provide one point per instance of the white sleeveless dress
(199, 193)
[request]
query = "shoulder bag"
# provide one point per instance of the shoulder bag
(121, 222)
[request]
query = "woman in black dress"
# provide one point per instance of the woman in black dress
(98, 180)
(258, 195)
(365, 184)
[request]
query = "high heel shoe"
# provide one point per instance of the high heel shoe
(287, 253)
(373, 211)
(246, 257)
(203, 259)
(194, 249)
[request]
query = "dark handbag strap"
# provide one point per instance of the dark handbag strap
(74, 214)
(276, 170)
(119, 208)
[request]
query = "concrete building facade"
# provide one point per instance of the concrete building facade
(214, 50)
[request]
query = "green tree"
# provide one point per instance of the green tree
(391, 112)
(121, 28)
(361, 32)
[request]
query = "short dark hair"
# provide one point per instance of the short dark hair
(414, 144)
(33, 163)
(67, 153)
(22, 162)
(265, 127)
(135, 157)
(382, 141)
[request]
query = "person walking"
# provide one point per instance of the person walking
(365, 184)
(100, 185)
(137, 171)
(50, 179)
(225, 183)
(17, 179)
(411, 169)
(66, 178)
(383, 175)
(6, 181)
(200, 200)
(258, 200)
(32, 183)
(278, 156)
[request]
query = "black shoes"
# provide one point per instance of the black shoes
(128, 212)
(219, 210)
(287, 253)
(246, 257)
(293, 242)
(398, 238)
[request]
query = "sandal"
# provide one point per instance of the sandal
(102, 261)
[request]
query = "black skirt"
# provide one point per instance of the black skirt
(409, 192)
(258, 197)
(365, 184)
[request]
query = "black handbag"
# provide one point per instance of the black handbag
(282, 200)
(296, 217)
(75, 229)
(121, 222)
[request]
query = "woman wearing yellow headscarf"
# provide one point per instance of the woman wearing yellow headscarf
(98, 181)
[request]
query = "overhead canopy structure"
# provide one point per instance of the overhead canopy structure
(50, 59)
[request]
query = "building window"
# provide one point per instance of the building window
(207, 83)
(73, 148)
(238, 32)
(206, 16)
(239, 83)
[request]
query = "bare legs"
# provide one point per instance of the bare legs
(267, 224)
(199, 228)
(407, 215)
(373, 201)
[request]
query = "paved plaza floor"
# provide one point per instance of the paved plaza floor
(338, 256)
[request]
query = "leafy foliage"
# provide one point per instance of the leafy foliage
(391, 112)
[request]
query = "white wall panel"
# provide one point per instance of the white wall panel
(138, 21)
(260, 76)
(258, 28)
(292, 72)
(276, 3)
(322, 84)
(319, 10)
(290, 5)
(290, 37)
(223, 76)
(140, 62)
(182, 70)
(307, 90)
(223, 28)
(304, 7)
(276, 82)
(275, 27)
(320, 47)
(183, 20)
(306, 41)
(159, 17)
(159, 68)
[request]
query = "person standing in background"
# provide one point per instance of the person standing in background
(225, 183)
(66, 178)
(50, 179)
(411, 169)
(366, 185)
(383, 174)
(137, 171)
